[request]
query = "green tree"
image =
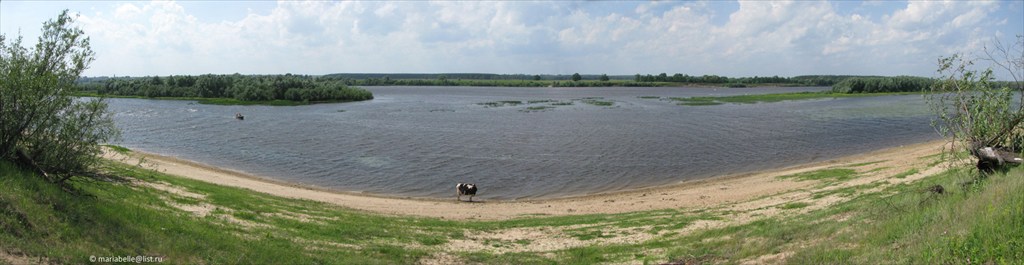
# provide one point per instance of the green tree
(974, 111)
(536, 77)
(576, 77)
(42, 125)
(604, 78)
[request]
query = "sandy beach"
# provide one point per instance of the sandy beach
(704, 193)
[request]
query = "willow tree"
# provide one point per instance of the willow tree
(976, 112)
(42, 125)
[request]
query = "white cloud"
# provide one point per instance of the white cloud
(759, 38)
(127, 12)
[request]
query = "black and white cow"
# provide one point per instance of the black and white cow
(465, 189)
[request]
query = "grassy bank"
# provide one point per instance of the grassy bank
(891, 220)
(768, 98)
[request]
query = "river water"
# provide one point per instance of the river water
(420, 141)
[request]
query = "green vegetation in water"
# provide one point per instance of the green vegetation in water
(501, 103)
(597, 101)
(696, 101)
(544, 104)
(537, 108)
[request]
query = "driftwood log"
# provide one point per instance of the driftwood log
(991, 158)
(26, 161)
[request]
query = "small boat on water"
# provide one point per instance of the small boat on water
(239, 116)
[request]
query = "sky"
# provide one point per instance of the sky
(730, 38)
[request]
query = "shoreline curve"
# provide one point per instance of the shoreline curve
(708, 192)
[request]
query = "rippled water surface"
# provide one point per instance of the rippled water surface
(420, 141)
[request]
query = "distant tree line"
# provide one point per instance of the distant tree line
(523, 80)
(241, 87)
(392, 77)
(808, 80)
(493, 83)
(883, 84)
(517, 80)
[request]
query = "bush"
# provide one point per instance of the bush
(972, 109)
(42, 124)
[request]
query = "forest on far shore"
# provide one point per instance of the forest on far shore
(298, 88)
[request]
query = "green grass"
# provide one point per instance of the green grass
(115, 218)
(794, 205)
(866, 163)
(979, 221)
(846, 192)
(975, 219)
(905, 173)
(831, 174)
(106, 218)
(769, 98)
(118, 149)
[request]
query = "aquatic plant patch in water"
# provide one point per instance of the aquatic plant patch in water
(537, 108)
(501, 103)
(595, 102)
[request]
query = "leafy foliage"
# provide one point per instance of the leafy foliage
(972, 109)
(40, 119)
(883, 84)
(241, 87)
(716, 79)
